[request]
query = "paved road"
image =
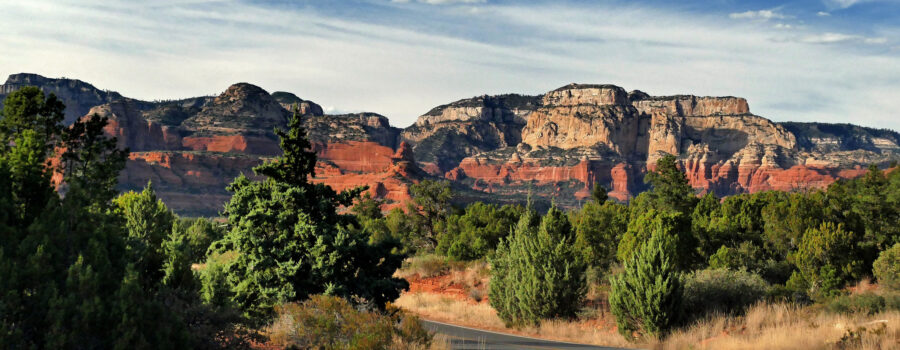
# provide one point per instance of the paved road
(464, 338)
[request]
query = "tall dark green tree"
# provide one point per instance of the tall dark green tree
(431, 203)
(290, 242)
(670, 188)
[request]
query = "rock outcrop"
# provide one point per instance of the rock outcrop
(446, 134)
(557, 145)
(78, 96)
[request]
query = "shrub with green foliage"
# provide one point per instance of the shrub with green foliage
(826, 259)
(200, 234)
(476, 233)
(598, 226)
(327, 322)
(722, 291)
(647, 296)
(536, 272)
(887, 268)
(672, 224)
(865, 303)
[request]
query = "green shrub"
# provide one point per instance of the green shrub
(428, 265)
(827, 259)
(537, 273)
(597, 228)
(476, 233)
(865, 303)
(328, 322)
(643, 225)
(722, 290)
(647, 296)
(887, 268)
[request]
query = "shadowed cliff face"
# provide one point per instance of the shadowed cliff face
(491, 147)
(78, 96)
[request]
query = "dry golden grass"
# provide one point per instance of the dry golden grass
(448, 309)
(425, 266)
(480, 315)
(781, 326)
(765, 326)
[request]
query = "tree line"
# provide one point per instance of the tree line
(668, 256)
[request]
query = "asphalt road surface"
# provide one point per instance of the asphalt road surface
(464, 338)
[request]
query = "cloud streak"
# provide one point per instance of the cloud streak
(764, 15)
(404, 62)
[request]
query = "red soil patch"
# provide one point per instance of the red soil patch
(446, 286)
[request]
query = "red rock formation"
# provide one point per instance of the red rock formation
(561, 143)
(355, 156)
(232, 144)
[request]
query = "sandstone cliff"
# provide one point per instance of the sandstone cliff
(497, 148)
(446, 134)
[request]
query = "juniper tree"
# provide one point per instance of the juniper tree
(537, 273)
(646, 297)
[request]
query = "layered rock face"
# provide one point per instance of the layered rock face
(445, 135)
(585, 134)
(495, 148)
(78, 96)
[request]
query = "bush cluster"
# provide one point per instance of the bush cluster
(865, 303)
(722, 291)
(328, 322)
(887, 268)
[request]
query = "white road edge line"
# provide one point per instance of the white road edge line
(514, 335)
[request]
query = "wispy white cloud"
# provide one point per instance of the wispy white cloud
(844, 4)
(442, 2)
(823, 14)
(764, 15)
(841, 4)
(833, 38)
(187, 48)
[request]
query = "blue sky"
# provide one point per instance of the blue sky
(829, 61)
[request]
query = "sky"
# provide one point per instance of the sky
(834, 61)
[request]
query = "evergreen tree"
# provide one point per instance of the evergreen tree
(599, 193)
(827, 258)
(431, 205)
(149, 223)
(290, 242)
(536, 271)
(674, 224)
(598, 227)
(671, 190)
(646, 297)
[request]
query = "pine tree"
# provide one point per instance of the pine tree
(646, 296)
(671, 190)
(290, 242)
